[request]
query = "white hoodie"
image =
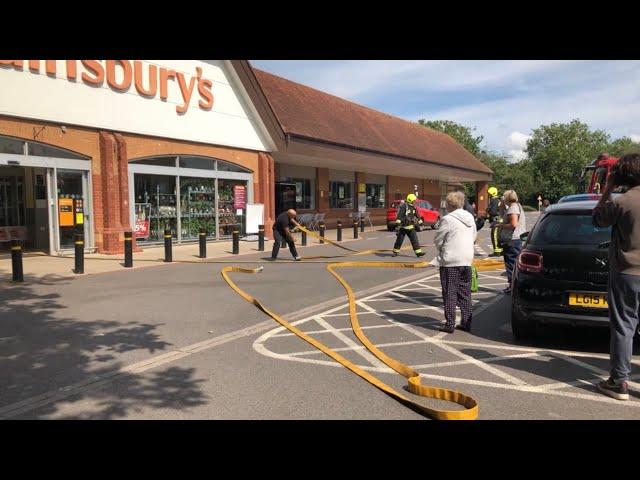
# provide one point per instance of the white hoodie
(454, 240)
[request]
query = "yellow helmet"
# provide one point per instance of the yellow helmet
(493, 191)
(411, 198)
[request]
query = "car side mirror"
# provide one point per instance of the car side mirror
(524, 236)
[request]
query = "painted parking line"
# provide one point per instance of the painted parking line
(492, 364)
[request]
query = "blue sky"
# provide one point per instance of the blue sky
(503, 99)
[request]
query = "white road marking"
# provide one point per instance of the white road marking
(441, 340)
(347, 341)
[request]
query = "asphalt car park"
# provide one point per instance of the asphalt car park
(558, 370)
(203, 352)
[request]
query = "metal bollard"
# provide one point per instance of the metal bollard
(202, 238)
(339, 231)
(321, 226)
(261, 238)
(304, 238)
(236, 242)
(355, 228)
(79, 252)
(168, 254)
(16, 261)
(362, 224)
(128, 249)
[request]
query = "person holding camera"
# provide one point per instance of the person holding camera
(623, 214)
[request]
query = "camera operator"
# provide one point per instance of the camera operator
(623, 214)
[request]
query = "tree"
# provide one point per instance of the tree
(461, 134)
(558, 153)
(623, 145)
(511, 176)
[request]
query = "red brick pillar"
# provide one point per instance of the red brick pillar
(123, 184)
(266, 192)
(322, 190)
(482, 200)
(360, 178)
(112, 231)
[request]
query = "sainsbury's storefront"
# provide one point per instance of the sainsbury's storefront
(107, 146)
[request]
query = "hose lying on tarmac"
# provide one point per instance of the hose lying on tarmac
(470, 411)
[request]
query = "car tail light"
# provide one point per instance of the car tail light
(530, 261)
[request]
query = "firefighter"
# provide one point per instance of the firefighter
(494, 217)
(407, 220)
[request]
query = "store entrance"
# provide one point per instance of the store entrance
(72, 186)
(285, 197)
(23, 208)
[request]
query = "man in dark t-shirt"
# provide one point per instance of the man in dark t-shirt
(282, 230)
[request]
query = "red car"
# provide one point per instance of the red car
(429, 214)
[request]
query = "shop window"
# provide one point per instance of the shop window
(232, 207)
(155, 206)
(198, 206)
(375, 195)
(11, 145)
(40, 150)
(305, 192)
(340, 195)
(202, 163)
(230, 167)
(157, 161)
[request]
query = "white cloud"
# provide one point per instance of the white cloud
(516, 155)
(518, 140)
(635, 137)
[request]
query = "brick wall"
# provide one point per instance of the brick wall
(110, 153)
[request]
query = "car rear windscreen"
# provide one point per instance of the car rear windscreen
(569, 229)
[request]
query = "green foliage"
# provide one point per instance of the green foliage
(511, 176)
(558, 153)
(556, 156)
(621, 146)
(461, 134)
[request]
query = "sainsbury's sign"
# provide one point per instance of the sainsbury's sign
(120, 75)
(195, 100)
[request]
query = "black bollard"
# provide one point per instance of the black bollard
(202, 238)
(362, 224)
(339, 231)
(261, 238)
(283, 242)
(168, 254)
(79, 252)
(236, 242)
(355, 228)
(16, 261)
(321, 226)
(128, 249)
(304, 238)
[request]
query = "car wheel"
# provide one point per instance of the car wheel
(521, 326)
(436, 225)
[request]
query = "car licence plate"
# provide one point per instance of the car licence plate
(590, 300)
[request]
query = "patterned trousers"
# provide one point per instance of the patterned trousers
(456, 291)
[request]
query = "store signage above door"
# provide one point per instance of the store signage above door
(120, 75)
(188, 100)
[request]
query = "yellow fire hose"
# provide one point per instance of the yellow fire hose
(470, 411)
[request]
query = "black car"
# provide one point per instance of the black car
(562, 271)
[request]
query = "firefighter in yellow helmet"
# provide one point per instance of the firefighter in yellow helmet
(494, 217)
(407, 219)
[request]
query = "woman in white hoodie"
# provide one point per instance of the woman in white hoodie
(454, 242)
